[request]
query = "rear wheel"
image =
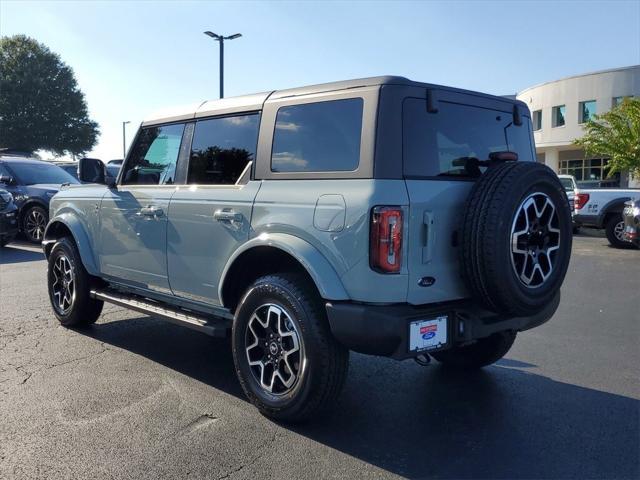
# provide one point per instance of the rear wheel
(288, 363)
(481, 353)
(34, 222)
(614, 229)
(70, 285)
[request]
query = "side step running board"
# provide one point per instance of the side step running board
(216, 327)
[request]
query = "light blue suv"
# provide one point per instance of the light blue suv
(380, 215)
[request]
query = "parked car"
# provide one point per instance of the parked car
(8, 218)
(380, 215)
(69, 167)
(570, 187)
(602, 208)
(631, 214)
(32, 184)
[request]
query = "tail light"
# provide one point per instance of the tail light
(580, 200)
(385, 253)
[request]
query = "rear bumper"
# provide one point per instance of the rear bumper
(384, 330)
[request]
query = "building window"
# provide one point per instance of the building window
(587, 110)
(537, 120)
(618, 100)
(558, 116)
(588, 172)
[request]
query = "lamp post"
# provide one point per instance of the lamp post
(221, 39)
(124, 143)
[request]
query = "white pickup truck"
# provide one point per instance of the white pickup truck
(602, 208)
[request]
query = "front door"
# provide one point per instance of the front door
(210, 217)
(133, 248)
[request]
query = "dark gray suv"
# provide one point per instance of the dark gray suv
(32, 184)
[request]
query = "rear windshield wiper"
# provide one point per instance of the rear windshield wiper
(472, 164)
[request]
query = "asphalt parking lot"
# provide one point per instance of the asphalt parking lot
(134, 397)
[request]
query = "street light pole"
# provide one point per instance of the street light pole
(222, 67)
(221, 39)
(124, 143)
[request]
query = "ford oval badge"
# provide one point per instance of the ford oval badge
(426, 281)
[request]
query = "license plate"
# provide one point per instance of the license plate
(428, 334)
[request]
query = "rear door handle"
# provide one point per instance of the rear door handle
(428, 236)
(228, 216)
(151, 211)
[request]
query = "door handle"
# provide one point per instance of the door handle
(428, 236)
(151, 211)
(227, 216)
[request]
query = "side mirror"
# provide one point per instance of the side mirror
(6, 179)
(91, 170)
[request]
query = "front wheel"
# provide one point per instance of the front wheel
(288, 363)
(481, 353)
(614, 229)
(70, 286)
(34, 222)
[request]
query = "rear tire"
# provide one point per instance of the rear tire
(614, 229)
(482, 353)
(69, 286)
(288, 363)
(34, 222)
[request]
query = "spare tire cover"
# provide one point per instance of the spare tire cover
(516, 238)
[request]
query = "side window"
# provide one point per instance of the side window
(318, 137)
(153, 158)
(222, 148)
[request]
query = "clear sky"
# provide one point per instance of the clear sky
(132, 58)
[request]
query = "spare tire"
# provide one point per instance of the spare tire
(516, 238)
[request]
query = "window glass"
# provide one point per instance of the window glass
(558, 116)
(222, 148)
(32, 173)
(443, 143)
(567, 184)
(537, 120)
(587, 170)
(587, 110)
(152, 160)
(618, 100)
(318, 137)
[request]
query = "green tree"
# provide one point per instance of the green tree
(616, 135)
(41, 106)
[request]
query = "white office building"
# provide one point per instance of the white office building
(559, 109)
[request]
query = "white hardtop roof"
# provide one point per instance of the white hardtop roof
(255, 101)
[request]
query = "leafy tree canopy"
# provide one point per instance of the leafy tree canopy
(41, 106)
(616, 135)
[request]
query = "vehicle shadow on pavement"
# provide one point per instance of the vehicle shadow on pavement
(11, 254)
(415, 421)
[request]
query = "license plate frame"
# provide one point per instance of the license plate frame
(428, 334)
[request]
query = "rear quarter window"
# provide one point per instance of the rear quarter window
(318, 137)
(439, 144)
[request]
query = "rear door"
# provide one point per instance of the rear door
(133, 240)
(210, 217)
(439, 177)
